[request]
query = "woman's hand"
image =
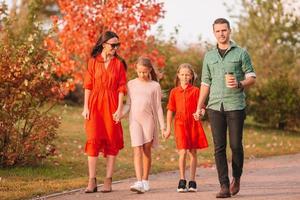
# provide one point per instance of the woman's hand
(86, 113)
(196, 115)
(117, 116)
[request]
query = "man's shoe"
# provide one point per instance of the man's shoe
(224, 192)
(235, 186)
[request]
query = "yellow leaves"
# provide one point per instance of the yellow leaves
(26, 82)
(30, 38)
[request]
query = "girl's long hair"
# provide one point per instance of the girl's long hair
(98, 48)
(145, 61)
(192, 71)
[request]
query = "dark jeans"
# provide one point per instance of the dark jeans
(219, 121)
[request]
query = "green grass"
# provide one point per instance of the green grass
(68, 170)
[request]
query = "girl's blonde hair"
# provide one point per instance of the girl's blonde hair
(193, 73)
(145, 61)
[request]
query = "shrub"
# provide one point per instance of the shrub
(276, 102)
(27, 91)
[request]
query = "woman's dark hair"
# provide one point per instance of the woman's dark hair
(147, 63)
(102, 39)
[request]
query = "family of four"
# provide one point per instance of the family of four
(226, 72)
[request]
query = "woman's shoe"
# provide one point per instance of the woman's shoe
(107, 185)
(95, 187)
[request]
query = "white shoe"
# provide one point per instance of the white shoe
(146, 185)
(137, 187)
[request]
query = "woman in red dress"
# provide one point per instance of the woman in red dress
(105, 86)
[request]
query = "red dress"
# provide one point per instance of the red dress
(189, 133)
(103, 134)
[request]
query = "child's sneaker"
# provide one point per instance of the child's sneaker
(146, 185)
(192, 186)
(182, 186)
(137, 187)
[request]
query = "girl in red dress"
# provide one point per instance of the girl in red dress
(105, 86)
(189, 133)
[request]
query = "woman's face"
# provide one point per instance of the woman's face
(111, 46)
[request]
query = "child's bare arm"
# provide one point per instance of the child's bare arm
(169, 121)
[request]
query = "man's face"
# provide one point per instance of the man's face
(222, 33)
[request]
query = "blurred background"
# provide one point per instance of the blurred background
(44, 48)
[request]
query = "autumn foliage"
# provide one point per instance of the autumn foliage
(27, 91)
(82, 22)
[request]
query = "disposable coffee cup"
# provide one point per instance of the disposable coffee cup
(229, 76)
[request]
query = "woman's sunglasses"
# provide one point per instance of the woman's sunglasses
(114, 45)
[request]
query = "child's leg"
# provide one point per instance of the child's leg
(146, 160)
(193, 163)
(182, 162)
(138, 165)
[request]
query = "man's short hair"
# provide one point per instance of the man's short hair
(221, 21)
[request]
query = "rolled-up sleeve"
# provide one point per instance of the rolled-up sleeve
(122, 80)
(247, 66)
(206, 76)
(89, 75)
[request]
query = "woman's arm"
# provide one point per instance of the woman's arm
(86, 112)
(118, 114)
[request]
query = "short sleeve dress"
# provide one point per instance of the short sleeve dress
(103, 134)
(189, 133)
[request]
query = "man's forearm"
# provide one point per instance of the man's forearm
(204, 91)
(249, 81)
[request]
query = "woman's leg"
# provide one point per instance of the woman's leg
(193, 163)
(182, 162)
(110, 164)
(146, 160)
(138, 162)
(92, 161)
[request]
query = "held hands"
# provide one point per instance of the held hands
(199, 114)
(86, 113)
(166, 133)
(117, 116)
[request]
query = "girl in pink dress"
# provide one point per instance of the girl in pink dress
(145, 111)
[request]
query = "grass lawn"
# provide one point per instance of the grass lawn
(68, 170)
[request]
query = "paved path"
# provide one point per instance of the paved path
(273, 178)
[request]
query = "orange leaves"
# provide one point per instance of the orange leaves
(83, 21)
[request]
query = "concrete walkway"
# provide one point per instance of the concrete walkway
(273, 178)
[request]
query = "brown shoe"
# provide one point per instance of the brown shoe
(235, 186)
(107, 185)
(224, 192)
(92, 181)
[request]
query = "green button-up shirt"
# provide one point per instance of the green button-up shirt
(236, 60)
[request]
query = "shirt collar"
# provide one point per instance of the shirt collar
(231, 45)
(182, 90)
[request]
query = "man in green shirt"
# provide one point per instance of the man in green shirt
(226, 71)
